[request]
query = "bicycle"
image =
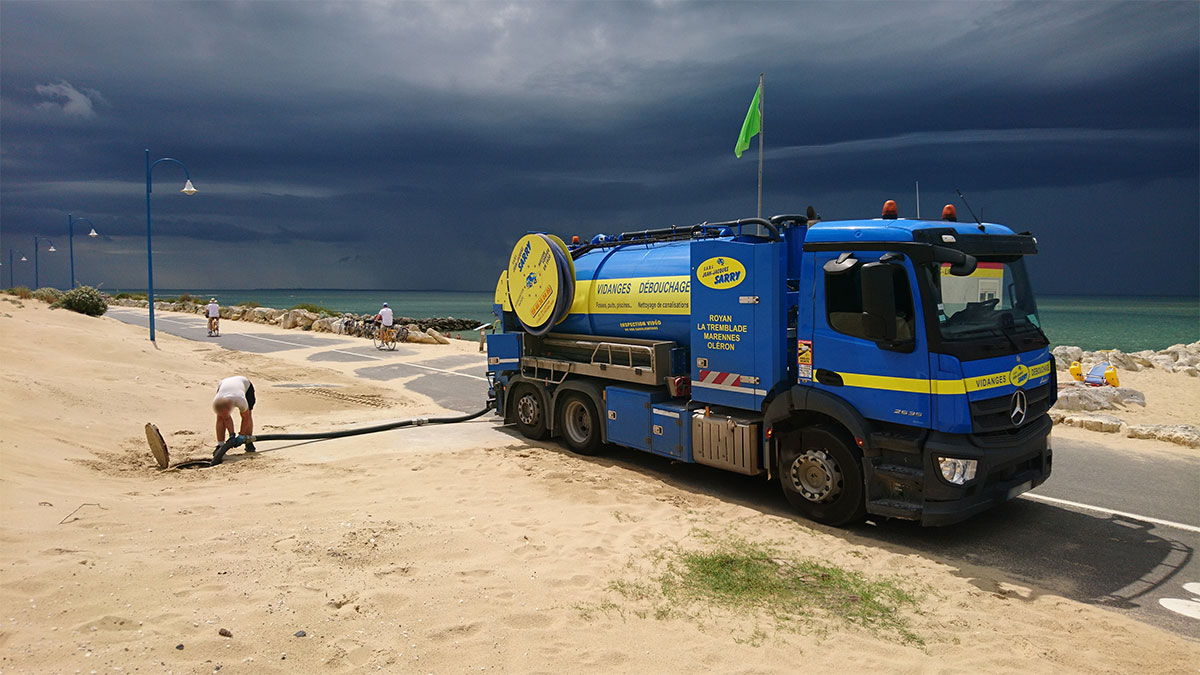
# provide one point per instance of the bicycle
(214, 327)
(386, 337)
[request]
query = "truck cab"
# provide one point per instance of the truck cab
(880, 366)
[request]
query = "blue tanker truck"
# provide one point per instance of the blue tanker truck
(887, 366)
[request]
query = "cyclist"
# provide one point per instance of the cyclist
(384, 318)
(213, 312)
(236, 391)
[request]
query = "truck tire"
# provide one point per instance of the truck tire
(821, 475)
(579, 423)
(529, 412)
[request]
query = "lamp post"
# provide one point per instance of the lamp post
(71, 240)
(36, 242)
(187, 190)
(12, 283)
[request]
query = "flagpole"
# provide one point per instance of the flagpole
(762, 124)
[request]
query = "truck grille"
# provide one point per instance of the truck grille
(991, 415)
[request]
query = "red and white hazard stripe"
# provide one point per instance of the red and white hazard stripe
(715, 379)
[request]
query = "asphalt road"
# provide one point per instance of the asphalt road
(454, 382)
(1110, 528)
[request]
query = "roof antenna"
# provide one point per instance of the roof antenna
(977, 221)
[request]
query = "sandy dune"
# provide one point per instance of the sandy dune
(443, 550)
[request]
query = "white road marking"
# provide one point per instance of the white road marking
(417, 365)
(1111, 512)
(1188, 608)
(339, 351)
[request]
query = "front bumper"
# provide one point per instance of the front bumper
(1009, 464)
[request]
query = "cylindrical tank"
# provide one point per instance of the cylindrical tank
(634, 291)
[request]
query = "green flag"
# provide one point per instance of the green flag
(752, 125)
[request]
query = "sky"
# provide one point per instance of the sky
(408, 145)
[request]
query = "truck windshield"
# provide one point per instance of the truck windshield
(996, 299)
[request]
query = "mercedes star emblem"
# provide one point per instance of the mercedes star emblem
(1019, 405)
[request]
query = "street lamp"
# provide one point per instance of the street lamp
(11, 283)
(187, 190)
(36, 244)
(71, 240)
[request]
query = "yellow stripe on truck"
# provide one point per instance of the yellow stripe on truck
(1018, 376)
(634, 295)
(908, 384)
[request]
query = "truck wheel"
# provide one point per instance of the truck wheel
(529, 412)
(579, 424)
(822, 476)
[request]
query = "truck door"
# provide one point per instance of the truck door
(887, 381)
(738, 321)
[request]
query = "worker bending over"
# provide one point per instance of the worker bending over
(234, 392)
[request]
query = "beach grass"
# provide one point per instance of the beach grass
(314, 308)
(758, 580)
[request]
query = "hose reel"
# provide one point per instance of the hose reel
(541, 282)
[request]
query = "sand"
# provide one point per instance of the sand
(1171, 398)
(441, 550)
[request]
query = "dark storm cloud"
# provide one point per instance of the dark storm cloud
(357, 144)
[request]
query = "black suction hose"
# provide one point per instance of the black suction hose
(236, 441)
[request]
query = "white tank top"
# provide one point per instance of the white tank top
(233, 389)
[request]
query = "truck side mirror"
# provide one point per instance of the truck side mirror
(879, 301)
(961, 264)
(842, 264)
(964, 267)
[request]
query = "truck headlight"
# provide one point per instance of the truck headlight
(958, 471)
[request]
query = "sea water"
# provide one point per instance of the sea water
(1125, 323)
(1090, 322)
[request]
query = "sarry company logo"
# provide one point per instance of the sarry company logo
(1019, 375)
(721, 272)
(524, 256)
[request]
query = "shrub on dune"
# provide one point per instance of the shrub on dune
(85, 300)
(314, 308)
(21, 292)
(48, 295)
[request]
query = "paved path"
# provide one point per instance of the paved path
(454, 381)
(1118, 529)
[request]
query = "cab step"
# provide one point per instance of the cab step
(907, 474)
(898, 441)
